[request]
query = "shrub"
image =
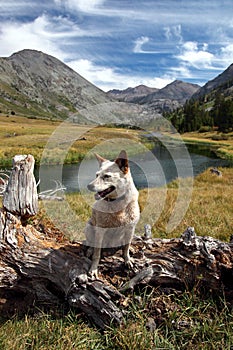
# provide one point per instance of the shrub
(205, 128)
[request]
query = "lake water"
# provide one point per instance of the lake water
(149, 169)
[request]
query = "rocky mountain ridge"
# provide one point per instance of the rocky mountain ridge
(170, 97)
(131, 94)
(35, 84)
(222, 83)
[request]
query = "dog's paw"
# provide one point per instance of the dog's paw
(93, 273)
(129, 263)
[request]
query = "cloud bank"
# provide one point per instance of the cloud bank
(117, 44)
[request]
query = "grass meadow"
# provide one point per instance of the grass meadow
(221, 142)
(154, 321)
(21, 135)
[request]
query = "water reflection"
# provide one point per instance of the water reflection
(149, 169)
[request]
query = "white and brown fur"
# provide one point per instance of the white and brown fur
(115, 212)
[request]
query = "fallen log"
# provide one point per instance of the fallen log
(34, 267)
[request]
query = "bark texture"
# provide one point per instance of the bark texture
(20, 197)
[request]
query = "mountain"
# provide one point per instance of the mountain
(131, 94)
(170, 97)
(222, 83)
(177, 90)
(35, 84)
(210, 106)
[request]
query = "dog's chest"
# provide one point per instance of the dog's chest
(115, 218)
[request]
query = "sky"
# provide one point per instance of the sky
(116, 44)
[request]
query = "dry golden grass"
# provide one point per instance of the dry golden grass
(223, 143)
(210, 210)
(21, 135)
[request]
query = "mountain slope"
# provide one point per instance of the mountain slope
(32, 82)
(35, 84)
(211, 106)
(131, 94)
(172, 96)
(223, 81)
(177, 90)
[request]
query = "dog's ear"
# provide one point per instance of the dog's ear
(100, 159)
(122, 162)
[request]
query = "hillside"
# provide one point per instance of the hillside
(35, 84)
(222, 83)
(32, 82)
(211, 106)
(158, 101)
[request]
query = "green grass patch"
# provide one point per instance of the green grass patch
(153, 321)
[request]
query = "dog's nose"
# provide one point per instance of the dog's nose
(90, 187)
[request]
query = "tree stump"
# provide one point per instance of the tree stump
(20, 197)
(34, 267)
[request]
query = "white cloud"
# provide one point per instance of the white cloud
(108, 78)
(182, 71)
(45, 33)
(226, 54)
(173, 32)
(138, 46)
(196, 57)
(139, 43)
(158, 83)
(88, 6)
(33, 35)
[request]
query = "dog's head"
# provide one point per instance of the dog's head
(111, 178)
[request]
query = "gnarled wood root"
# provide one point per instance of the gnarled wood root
(51, 273)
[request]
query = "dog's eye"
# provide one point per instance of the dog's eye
(106, 176)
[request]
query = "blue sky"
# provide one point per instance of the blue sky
(122, 43)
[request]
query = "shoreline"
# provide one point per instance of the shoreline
(221, 145)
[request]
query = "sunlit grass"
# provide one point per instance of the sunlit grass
(21, 135)
(152, 321)
(223, 143)
(209, 211)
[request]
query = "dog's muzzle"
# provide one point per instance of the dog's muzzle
(104, 193)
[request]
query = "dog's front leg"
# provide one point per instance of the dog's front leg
(99, 234)
(95, 262)
(128, 260)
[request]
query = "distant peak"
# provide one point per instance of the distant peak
(21, 52)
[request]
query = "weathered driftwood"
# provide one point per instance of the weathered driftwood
(53, 194)
(34, 267)
(20, 197)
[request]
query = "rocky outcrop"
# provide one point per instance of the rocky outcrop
(131, 94)
(170, 97)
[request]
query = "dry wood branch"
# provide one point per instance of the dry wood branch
(56, 193)
(4, 178)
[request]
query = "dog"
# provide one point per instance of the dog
(115, 212)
